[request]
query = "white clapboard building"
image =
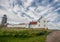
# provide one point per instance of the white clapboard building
(23, 25)
(40, 23)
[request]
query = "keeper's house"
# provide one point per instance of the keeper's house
(40, 23)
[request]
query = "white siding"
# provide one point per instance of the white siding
(42, 23)
(16, 25)
(33, 26)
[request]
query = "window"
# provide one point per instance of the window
(44, 21)
(39, 24)
(44, 25)
(39, 21)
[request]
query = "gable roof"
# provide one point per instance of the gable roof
(40, 18)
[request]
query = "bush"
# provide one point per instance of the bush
(42, 33)
(22, 33)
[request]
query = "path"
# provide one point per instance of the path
(54, 36)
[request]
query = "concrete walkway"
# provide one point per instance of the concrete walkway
(54, 36)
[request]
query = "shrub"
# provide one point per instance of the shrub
(42, 33)
(22, 34)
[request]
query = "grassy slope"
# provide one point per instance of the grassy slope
(34, 38)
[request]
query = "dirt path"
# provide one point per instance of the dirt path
(53, 37)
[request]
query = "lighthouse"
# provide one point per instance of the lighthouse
(4, 21)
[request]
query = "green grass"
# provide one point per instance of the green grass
(23, 35)
(31, 39)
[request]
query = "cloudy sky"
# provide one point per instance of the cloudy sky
(19, 11)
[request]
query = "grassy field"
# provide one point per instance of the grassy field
(31, 39)
(23, 35)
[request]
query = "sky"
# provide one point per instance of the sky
(19, 11)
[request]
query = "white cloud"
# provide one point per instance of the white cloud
(27, 3)
(14, 13)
